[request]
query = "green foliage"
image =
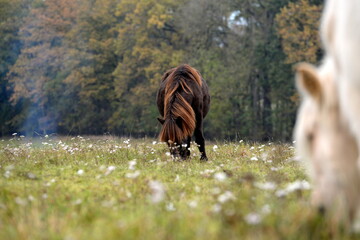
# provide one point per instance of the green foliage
(298, 25)
(93, 67)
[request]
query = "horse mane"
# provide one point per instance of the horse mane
(179, 116)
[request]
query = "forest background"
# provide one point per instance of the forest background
(93, 67)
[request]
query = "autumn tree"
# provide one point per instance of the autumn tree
(147, 45)
(12, 13)
(297, 25)
(37, 74)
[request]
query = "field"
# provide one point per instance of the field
(115, 188)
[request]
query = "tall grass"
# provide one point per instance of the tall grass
(114, 188)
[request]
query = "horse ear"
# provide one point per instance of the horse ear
(161, 120)
(307, 80)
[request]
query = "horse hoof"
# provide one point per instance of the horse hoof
(203, 159)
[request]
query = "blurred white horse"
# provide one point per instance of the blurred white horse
(328, 124)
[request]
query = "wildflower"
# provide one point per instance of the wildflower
(265, 209)
(109, 170)
(220, 176)
(14, 134)
(215, 147)
(266, 185)
(80, 172)
(31, 198)
(77, 202)
(154, 142)
(170, 207)
(294, 186)
(216, 208)
(193, 204)
(177, 178)
(20, 201)
(226, 196)
(254, 159)
(7, 174)
(31, 175)
(253, 218)
(128, 194)
(133, 175)
(132, 164)
(157, 191)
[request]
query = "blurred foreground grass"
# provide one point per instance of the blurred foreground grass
(112, 188)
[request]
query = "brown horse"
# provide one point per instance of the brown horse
(183, 101)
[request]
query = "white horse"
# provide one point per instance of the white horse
(324, 141)
(328, 125)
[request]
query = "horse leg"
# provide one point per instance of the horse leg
(187, 151)
(200, 140)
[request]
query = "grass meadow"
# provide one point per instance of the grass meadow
(115, 188)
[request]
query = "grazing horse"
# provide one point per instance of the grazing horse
(325, 142)
(328, 127)
(183, 101)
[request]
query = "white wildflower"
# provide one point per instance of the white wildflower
(132, 164)
(7, 174)
(216, 208)
(20, 201)
(254, 159)
(168, 153)
(226, 196)
(133, 175)
(266, 186)
(193, 204)
(157, 191)
(31, 198)
(220, 176)
(266, 209)
(77, 202)
(177, 178)
(170, 207)
(253, 218)
(80, 172)
(215, 147)
(154, 142)
(14, 134)
(294, 186)
(128, 194)
(109, 170)
(31, 175)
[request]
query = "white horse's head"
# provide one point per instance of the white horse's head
(324, 141)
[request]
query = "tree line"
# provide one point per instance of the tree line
(94, 66)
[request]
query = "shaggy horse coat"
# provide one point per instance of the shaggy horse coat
(330, 113)
(183, 101)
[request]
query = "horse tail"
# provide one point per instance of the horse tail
(179, 116)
